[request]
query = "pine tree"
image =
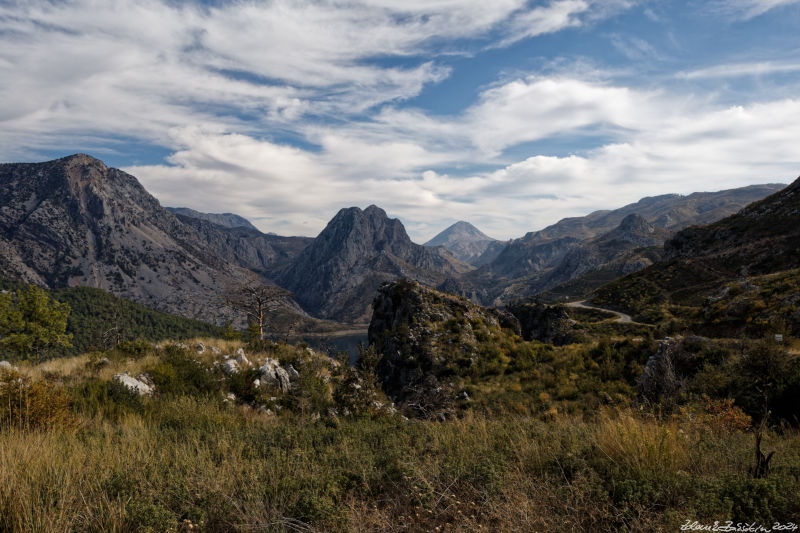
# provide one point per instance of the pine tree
(31, 322)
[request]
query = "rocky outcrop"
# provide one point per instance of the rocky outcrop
(666, 370)
(337, 275)
(422, 335)
(273, 374)
(545, 323)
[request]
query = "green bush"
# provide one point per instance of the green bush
(179, 373)
(111, 399)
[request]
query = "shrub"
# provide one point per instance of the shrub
(179, 373)
(135, 349)
(111, 399)
(25, 404)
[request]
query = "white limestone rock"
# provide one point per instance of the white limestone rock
(134, 385)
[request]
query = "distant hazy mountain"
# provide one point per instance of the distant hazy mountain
(582, 246)
(228, 220)
(75, 222)
(338, 274)
(540, 250)
(468, 243)
(762, 239)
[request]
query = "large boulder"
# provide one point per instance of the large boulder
(139, 386)
(230, 367)
(275, 375)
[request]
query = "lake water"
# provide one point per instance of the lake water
(335, 344)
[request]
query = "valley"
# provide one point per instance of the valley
(620, 370)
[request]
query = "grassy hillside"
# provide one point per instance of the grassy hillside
(87, 455)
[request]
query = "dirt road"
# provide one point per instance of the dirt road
(621, 317)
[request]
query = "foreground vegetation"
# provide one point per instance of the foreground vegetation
(80, 452)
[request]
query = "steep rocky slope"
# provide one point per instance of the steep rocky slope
(337, 274)
(762, 239)
(595, 249)
(263, 253)
(228, 220)
(75, 222)
(541, 249)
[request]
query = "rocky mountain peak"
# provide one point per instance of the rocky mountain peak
(338, 273)
(75, 222)
(370, 229)
(635, 224)
(460, 232)
(467, 243)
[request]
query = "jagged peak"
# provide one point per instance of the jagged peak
(82, 159)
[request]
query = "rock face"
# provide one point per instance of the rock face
(467, 243)
(762, 238)
(421, 334)
(262, 253)
(275, 375)
(226, 220)
(337, 275)
(75, 222)
(545, 323)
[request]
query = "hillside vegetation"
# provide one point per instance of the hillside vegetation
(209, 451)
(98, 320)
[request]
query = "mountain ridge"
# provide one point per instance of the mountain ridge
(228, 220)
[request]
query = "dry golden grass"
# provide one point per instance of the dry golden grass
(168, 462)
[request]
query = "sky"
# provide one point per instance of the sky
(510, 114)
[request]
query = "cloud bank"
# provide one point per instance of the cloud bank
(286, 111)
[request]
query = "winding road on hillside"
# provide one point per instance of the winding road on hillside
(621, 317)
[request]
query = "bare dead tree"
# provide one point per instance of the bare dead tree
(257, 301)
(761, 465)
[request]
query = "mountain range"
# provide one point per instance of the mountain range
(719, 269)
(75, 222)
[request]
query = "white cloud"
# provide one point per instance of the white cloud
(733, 70)
(671, 147)
(92, 69)
(747, 9)
(219, 85)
